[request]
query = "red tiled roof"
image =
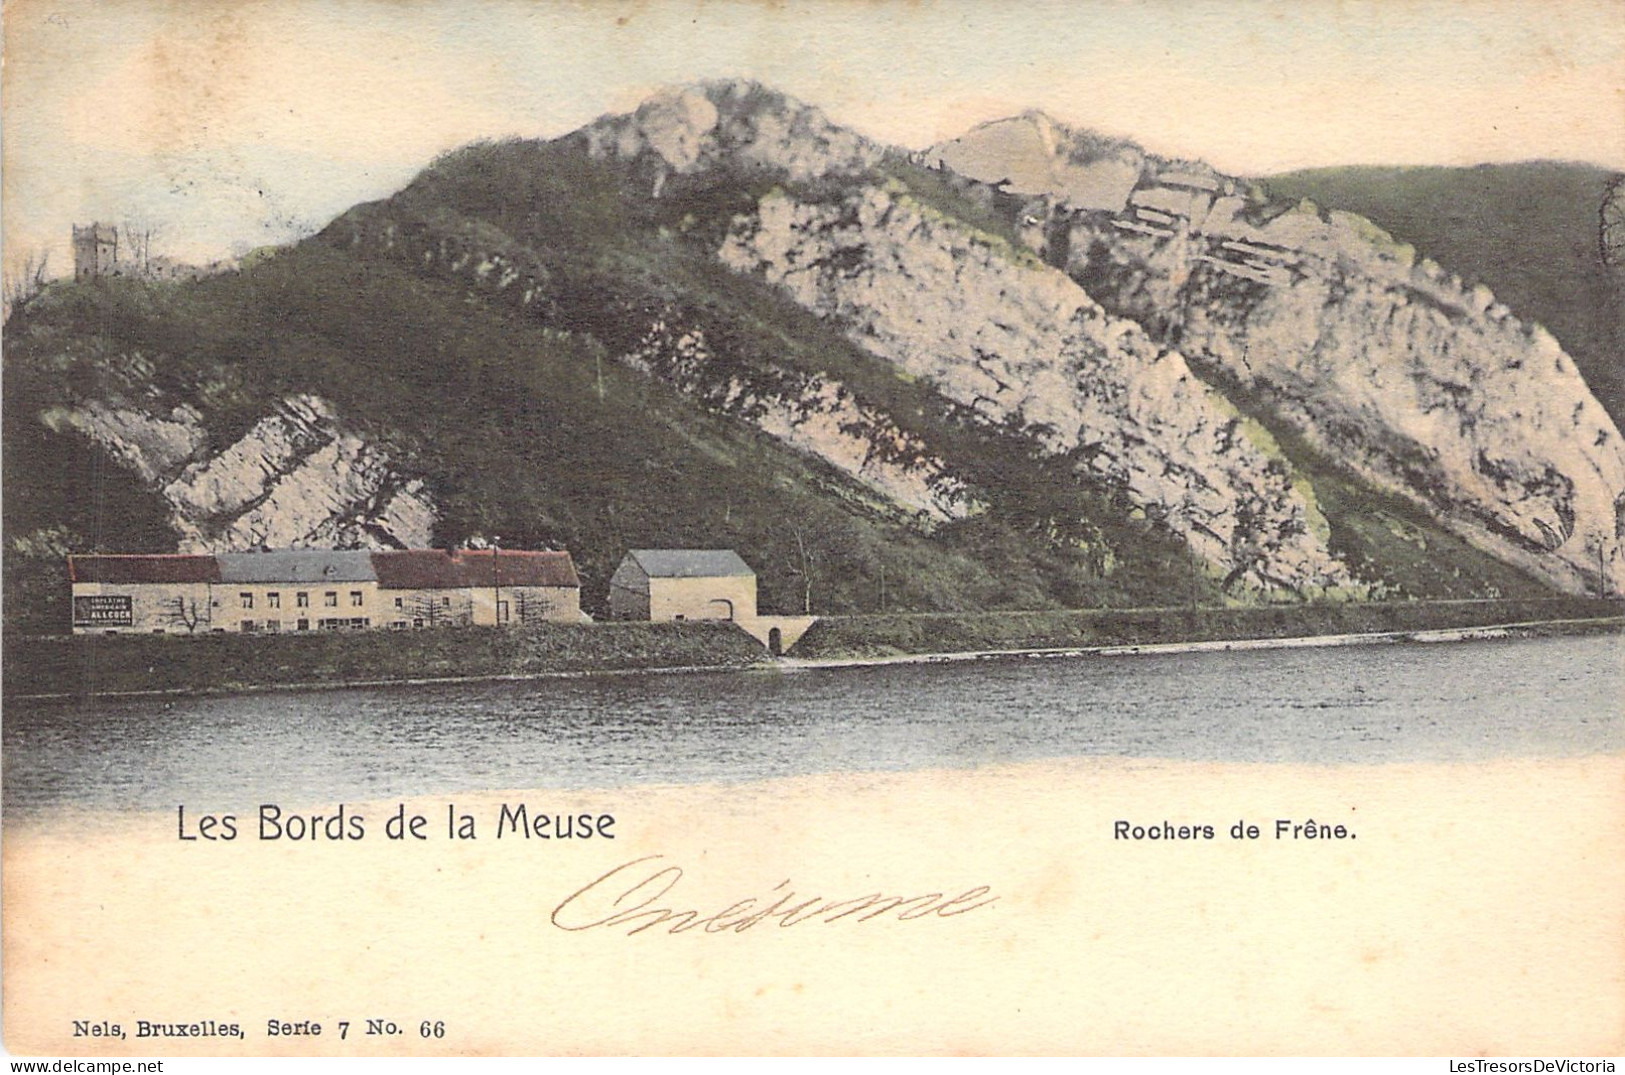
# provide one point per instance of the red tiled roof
(437, 569)
(123, 570)
(412, 569)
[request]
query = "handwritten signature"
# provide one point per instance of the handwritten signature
(635, 894)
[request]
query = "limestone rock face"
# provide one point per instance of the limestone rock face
(815, 415)
(1423, 385)
(1033, 154)
(1025, 347)
(149, 444)
(697, 127)
(298, 477)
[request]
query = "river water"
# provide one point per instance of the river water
(1457, 701)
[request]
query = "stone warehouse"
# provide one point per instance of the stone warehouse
(321, 590)
(698, 584)
(683, 584)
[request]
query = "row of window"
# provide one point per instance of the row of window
(355, 623)
(330, 599)
(334, 624)
(302, 600)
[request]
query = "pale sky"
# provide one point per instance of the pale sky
(247, 122)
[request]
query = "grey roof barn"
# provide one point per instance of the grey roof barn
(683, 584)
(690, 563)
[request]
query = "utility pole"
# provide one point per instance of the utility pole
(806, 572)
(496, 585)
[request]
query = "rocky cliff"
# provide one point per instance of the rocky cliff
(1026, 349)
(298, 477)
(1005, 342)
(1421, 383)
(1016, 343)
(731, 124)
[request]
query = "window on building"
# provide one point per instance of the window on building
(417, 621)
(502, 612)
(355, 598)
(273, 599)
(273, 626)
(302, 600)
(445, 602)
(250, 625)
(247, 599)
(302, 625)
(400, 602)
(331, 599)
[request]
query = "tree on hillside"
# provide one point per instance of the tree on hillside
(24, 278)
(808, 557)
(1611, 234)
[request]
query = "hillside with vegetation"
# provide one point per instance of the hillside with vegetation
(525, 434)
(720, 322)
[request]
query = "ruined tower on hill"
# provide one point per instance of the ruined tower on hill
(101, 250)
(95, 250)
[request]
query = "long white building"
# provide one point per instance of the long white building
(293, 590)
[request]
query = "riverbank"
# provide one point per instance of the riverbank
(864, 638)
(1532, 629)
(226, 663)
(223, 663)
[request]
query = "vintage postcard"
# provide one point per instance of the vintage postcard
(861, 528)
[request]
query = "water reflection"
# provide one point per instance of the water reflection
(1458, 701)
